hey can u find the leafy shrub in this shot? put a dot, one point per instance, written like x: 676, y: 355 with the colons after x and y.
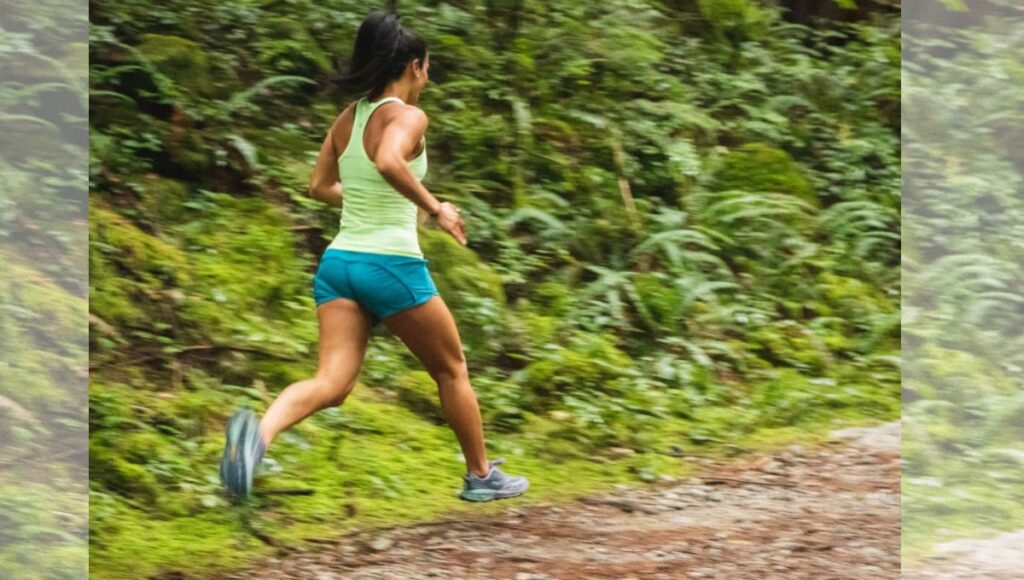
x: 587, y: 367
x: 735, y: 20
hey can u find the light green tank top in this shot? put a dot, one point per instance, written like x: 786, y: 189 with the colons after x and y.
x: 375, y: 217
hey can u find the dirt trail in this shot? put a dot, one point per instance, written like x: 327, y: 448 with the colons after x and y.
x: 823, y: 513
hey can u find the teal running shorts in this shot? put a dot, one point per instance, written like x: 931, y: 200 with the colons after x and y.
x: 384, y: 284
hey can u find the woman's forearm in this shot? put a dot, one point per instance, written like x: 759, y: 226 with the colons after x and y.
x: 332, y: 196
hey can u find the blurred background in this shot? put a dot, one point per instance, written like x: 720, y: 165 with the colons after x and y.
x: 684, y: 240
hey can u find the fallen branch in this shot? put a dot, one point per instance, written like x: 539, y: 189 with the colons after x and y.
x: 199, y: 348
x: 618, y: 158
x: 288, y: 492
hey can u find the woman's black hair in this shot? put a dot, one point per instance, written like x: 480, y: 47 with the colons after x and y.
x: 383, y: 49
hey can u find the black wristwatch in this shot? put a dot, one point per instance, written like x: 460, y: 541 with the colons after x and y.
x: 435, y: 213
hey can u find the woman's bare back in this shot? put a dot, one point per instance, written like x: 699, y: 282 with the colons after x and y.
x: 373, y: 131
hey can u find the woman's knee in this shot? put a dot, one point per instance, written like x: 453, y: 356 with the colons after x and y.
x: 450, y: 371
x: 333, y: 391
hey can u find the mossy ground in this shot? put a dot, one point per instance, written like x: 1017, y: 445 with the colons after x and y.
x: 371, y: 463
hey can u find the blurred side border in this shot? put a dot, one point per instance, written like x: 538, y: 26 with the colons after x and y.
x: 962, y: 280
x: 43, y: 289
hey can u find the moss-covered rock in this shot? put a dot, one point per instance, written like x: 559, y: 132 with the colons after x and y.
x: 181, y: 60
x: 150, y: 257
x: 760, y: 167
x: 129, y: 268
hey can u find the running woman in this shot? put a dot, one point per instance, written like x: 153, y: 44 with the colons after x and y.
x: 370, y: 165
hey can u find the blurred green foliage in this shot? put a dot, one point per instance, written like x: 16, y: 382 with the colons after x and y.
x: 43, y: 291
x: 963, y: 440
x: 683, y: 222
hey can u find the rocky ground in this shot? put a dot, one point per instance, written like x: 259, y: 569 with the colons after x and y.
x: 823, y: 513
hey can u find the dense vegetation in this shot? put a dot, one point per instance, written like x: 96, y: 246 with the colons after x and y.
x: 963, y: 317
x: 684, y: 235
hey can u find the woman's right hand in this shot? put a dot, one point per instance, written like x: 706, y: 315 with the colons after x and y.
x: 449, y: 220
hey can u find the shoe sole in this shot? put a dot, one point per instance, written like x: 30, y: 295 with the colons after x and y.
x: 229, y: 460
x: 482, y: 495
x: 236, y: 474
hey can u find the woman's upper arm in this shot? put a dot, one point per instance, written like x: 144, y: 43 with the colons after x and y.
x: 325, y: 171
x: 401, y: 136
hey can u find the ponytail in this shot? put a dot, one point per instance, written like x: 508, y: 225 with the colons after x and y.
x: 383, y: 49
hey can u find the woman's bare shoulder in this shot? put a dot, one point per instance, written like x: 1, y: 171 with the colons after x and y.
x: 341, y: 129
x: 411, y: 115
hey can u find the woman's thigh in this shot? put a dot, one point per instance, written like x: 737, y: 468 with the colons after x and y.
x: 430, y: 333
x: 345, y: 331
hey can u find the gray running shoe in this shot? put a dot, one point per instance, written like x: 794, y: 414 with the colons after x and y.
x: 243, y: 452
x: 496, y: 485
